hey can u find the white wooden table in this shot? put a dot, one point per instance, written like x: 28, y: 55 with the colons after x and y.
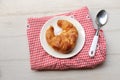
x: 14, y: 51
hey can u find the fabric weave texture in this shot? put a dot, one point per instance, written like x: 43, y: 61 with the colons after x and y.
x: 40, y: 60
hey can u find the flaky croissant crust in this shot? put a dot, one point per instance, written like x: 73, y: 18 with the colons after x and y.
x: 66, y: 40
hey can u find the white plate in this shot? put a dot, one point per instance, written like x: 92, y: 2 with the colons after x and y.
x: 53, y: 22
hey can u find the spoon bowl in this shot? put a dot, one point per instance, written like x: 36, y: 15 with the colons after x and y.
x: 101, y: 18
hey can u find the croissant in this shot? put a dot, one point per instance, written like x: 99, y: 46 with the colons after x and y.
x: 66, y: 40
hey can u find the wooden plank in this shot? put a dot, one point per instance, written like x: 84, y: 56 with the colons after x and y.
x: 23, y: 7
x: 20, y: 69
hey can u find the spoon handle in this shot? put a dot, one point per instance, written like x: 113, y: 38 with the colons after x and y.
x: 93, y: 46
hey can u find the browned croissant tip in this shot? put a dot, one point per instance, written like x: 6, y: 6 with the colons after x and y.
x: 66, y: 40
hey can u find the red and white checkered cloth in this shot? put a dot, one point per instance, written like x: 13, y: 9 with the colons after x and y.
x: 40, y: 60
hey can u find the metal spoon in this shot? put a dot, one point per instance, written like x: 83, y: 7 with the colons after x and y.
x: 101, y: 20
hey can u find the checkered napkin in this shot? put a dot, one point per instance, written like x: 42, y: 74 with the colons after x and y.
x: 41, y: 60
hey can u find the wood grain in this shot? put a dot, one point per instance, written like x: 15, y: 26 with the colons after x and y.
x: 14, y: 51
